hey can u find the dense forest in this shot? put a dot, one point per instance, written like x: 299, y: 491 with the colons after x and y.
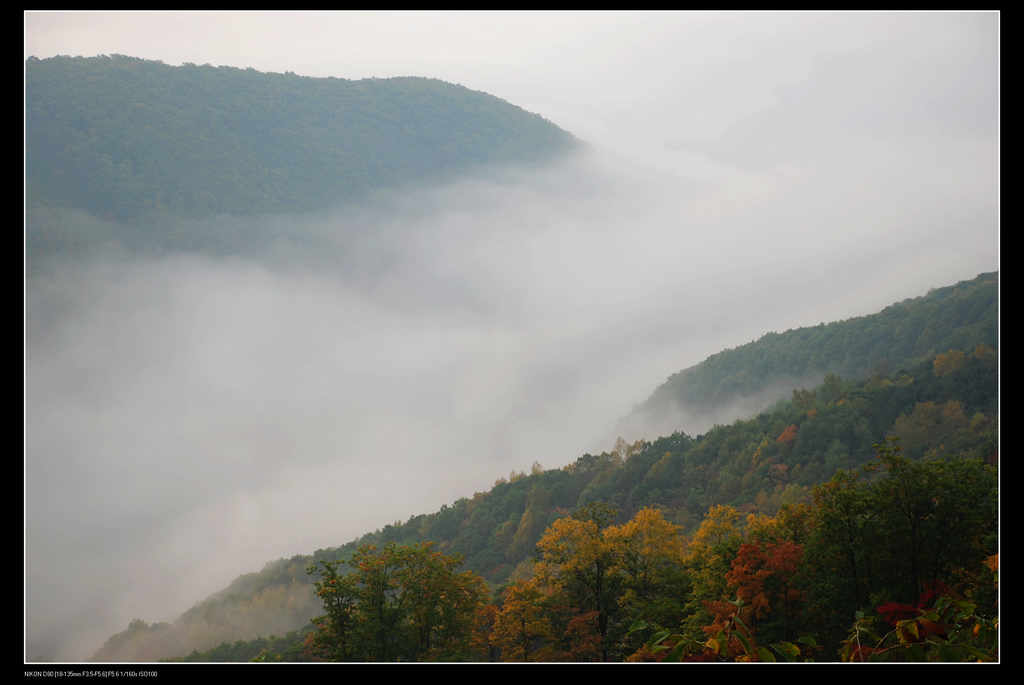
x: 901, y: 335
x: 845, y: 522
x: 115, y: 145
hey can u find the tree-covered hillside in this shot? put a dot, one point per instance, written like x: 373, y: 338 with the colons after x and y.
x: 902, y: 335
x: 944, y: 407
x: 124, y: 138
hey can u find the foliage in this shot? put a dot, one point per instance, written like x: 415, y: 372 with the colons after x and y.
x: 523, y: 622
x: 949, y: 362
x: 956, y: 318
x: 397, y: 603
x: 888, y: 533
x: 708, y: 560
x: 728, y: 639
x: 762, y: 575
x: 124, y: 138
x: 949, y: 629
x: 649, y: 560
x: 578, y: 557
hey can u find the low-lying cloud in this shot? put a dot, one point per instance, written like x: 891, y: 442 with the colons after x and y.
x: 192, y: 415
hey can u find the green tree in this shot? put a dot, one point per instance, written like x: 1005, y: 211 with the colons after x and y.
x: 895, y: 529
x: 397, y: 603
x: 333, y: 639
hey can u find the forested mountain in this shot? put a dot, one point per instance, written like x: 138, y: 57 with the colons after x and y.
x: 749, y: 377
x: 870, y: 486
x: 127, y: 140
x: 943, y: 409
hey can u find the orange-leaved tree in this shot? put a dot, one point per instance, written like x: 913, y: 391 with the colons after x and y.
x: 522, y: 629
x: 762, y: 576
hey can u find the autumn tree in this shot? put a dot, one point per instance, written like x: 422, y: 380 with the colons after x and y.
x: 522, y: 627
x: 948, y: 362
x: 578, y: 559
x: 708, y: 559
x: 649, y: 561
x: 788, y: 435
x: 601, y: 578
x: 762, y: 575
x: 481, y: 641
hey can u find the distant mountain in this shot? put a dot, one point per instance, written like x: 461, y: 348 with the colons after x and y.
x: 741, y: 381
x: 945, y: 404
x: 124, y: 138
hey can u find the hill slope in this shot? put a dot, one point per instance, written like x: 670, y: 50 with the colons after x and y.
x: 745, y: 379
x: 946, y: 404
x: 124, y: 138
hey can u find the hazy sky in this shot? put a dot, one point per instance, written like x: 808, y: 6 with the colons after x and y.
x: 190, y: 417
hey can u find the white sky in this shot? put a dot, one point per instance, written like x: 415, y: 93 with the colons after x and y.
x: 759, y: 171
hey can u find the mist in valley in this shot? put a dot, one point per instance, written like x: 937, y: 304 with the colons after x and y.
x: 191, y: 414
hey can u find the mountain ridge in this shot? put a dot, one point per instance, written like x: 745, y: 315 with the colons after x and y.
x: 848, y: 347
x: 125, y: 138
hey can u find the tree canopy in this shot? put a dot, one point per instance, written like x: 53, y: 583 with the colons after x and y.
x: 124, y: 138
x: 958, y: 317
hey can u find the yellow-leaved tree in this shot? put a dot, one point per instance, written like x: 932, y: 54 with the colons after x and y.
x: 649, y: 560
x: 578, y: 562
